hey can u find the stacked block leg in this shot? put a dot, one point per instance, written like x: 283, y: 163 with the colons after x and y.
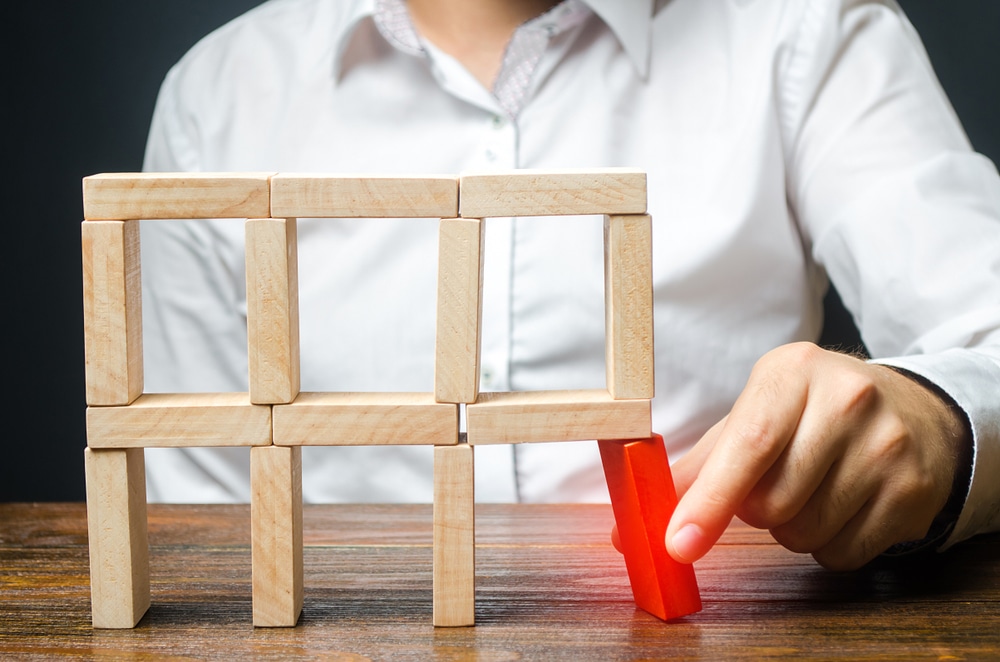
x: 276, y: 535
x: 112, y: 312
x: 459, y: 310
x: 628, y: 307
x: 272, y: 309
x: 116, y: 526
x: 643, y: 499
x: 454, y: 537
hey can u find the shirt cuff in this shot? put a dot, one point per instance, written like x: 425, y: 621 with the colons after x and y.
x: 971, y: 378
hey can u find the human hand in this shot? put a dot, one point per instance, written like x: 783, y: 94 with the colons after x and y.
x: 834, y: 456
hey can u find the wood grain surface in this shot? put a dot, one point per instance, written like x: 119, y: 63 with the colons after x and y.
x: 549, y: 586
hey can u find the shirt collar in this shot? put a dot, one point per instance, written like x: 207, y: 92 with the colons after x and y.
x: 629, y: 20
x: 355, y: 13
x: 632, y: 23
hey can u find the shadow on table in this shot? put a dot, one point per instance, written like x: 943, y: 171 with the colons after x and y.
x: 966, y: 572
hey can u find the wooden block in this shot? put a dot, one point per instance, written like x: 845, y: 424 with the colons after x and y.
x: 643, y: 499
x: 459, y: 310
x: 112, y: 312
x: 365, y: 419
x: 161, y: 195
x: 276, y: 535
x: 116, y: 528
x: 363, y: 196
x: 454, y: 537
x: 180, y: 419
x: 531, y: 416
x: 553, y: 193
x: 272, y: 310
x: 628, y: 305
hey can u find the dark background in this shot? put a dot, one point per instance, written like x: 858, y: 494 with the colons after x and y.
x: 79, y: 83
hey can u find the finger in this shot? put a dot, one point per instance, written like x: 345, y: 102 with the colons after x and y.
x: 843, y: 493
x: 686, y: 469
x: 757, y: 431
x: 829, y: 471
x: 869, y: 533
x: 818, y: 443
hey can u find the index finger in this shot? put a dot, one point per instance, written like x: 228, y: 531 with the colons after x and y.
x: 761, y: 424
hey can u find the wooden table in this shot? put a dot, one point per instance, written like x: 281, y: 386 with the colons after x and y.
x: 549, y: 586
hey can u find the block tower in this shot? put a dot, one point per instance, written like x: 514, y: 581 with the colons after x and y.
x: 275, y: 419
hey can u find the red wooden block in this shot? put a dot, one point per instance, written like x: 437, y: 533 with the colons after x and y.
x: 643, y: 498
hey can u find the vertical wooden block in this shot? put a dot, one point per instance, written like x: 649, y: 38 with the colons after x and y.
x: 643, y: 499
x: 459, y: 310
x: 116, y: 528
x: 112, y: 312
x: 454, y: 537
x: 272, y: 310
x: 628, y: 306
x: 276, y: 535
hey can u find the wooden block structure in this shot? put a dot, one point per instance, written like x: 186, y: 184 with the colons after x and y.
x: 275, y: 419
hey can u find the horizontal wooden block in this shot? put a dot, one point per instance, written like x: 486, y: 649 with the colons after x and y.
x: 533, y: 416
x: 180, y: 419
x: 162, y: 195
x: 112, y: 312
x: 363, y: 196
x: 628, y: 305
x: 365, y: 419
x: 553, y: 193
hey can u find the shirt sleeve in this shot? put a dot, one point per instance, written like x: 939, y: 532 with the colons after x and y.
x: 904, y: 216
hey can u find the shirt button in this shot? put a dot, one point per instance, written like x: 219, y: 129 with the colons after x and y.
x: 499, y: 122
x: 491, y: 155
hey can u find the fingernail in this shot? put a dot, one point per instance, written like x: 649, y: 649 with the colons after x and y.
x: 687, y: 543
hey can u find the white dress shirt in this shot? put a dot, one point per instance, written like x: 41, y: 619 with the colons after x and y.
x: 786, y: 141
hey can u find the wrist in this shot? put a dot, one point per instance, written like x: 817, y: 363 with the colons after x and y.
x: 960, y: 431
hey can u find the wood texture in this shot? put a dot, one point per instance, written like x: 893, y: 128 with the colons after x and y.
x: 643, y: 498
x: 454, y: 537
x: 112, y: 312
x: 276, y: 535
x: 272, y: 310
x: 459, y: 310
x: 549, y: 587
x: 510, y: 418
x: 119, y: 550
x: 363, y: 196
x: 180, y: 419
x: 365, y: 419
x: 553, y: 193
x: 141, y: 195
x: 628, y: 306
